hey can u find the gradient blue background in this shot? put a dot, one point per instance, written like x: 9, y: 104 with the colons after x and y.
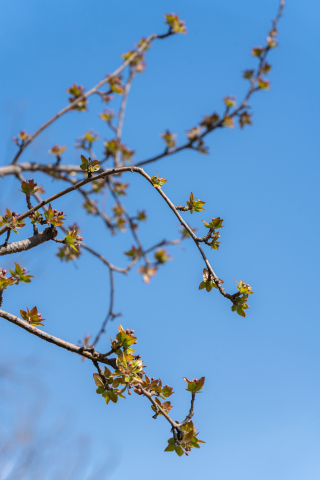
x: 259, y: 411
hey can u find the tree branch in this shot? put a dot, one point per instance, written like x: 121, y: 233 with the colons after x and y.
x: 57, y: 341
x: 141, y: 172
x: 47, y: 234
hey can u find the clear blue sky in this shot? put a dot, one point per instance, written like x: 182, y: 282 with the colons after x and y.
x: 259, y: 411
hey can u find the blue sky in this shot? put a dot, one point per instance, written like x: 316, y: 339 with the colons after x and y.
x: 259, y: 410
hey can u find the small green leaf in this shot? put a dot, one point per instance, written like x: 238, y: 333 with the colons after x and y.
x: 179, y: 450
x: 170, y: 448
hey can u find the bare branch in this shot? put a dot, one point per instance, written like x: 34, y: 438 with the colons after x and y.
x: 191, y: 412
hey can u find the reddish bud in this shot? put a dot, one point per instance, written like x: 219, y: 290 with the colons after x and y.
x: 4, y: 272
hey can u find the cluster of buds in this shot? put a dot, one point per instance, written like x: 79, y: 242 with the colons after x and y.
x: 57, y: 212
x: 115, y: 85
x: 9, y: 219
x: 73, y: 238
x: 21, y: 274
x: 57, y: 150
x: 137, y: 64
x: 3, y: 272
x: 138, y: 389
x: 22, y: 138
x: 113, y: 146
x: 54, y: 217
x: 87, y: 140
x: 32, y: 317
x: 66, y: 254
x: 77, y: 91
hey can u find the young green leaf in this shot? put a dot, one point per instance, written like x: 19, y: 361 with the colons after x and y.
x: 32, y: 317
x: 158, y: 182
